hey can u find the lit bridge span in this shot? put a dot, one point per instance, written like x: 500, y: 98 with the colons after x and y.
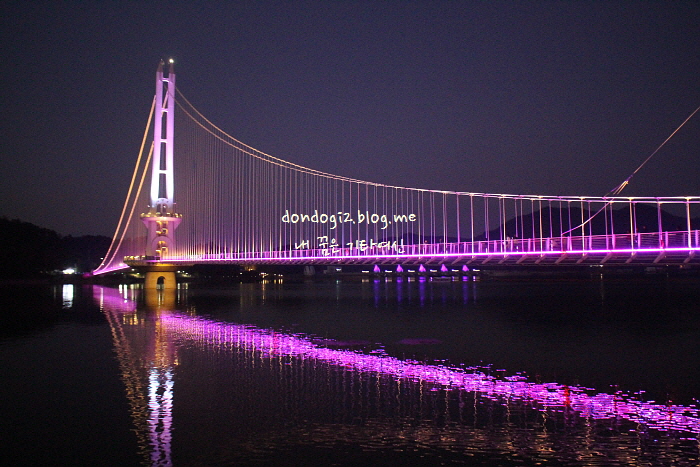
x: 201, y: 196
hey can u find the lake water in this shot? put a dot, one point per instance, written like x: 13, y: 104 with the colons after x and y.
x: 354, y: 373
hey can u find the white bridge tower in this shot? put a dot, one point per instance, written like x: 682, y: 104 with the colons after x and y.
x: 161, y: 219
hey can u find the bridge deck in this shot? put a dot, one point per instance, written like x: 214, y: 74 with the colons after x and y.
x: 654, y: 249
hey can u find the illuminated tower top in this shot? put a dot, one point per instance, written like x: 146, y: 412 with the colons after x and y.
x: 162, y: 180
x: 161, y: 219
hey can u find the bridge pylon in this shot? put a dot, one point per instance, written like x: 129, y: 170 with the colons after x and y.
x: 161, y: 219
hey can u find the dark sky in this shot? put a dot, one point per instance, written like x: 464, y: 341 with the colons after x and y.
x: 550, y: 98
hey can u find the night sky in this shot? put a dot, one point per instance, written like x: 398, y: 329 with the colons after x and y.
x: 550, y: 98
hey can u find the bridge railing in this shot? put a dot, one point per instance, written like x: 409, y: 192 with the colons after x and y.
x: 623, y: 243
x: 590, y: 243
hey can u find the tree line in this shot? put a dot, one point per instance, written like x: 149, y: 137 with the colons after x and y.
x: 30, y: 251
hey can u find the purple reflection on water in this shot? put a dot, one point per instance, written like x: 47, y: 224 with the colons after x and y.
x: 160, y: 420
x: 546, y: 396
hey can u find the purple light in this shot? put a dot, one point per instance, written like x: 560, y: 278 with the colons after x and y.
x: 465, y: 268
x: 421, y: 268
x: 443, y: 268
x: 399, y: 269
x: 119, y: 267
x: 546, y: 396
x: 376, y: 269
x: 583, y: 251
x: 312, y: 256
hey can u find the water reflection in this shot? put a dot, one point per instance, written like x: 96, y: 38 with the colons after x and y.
x: 545, y: 397
x: 160, y: 420
x: 421, y: 290
x: 144, y: 348
x: 255, y: 392
x: 68, y: 293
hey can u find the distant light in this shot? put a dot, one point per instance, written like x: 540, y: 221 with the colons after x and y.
x: 69, y: 271
x: 171, y: 60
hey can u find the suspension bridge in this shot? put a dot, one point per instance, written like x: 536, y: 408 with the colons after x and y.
x: 199, y: 195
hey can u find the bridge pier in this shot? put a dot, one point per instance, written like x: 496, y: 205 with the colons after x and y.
x: 160, y: 277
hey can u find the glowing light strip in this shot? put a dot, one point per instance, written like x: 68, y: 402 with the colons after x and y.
x: 119, y: 267
x: 547, y: 395
x: 107, y: 260
x: 278, y: 255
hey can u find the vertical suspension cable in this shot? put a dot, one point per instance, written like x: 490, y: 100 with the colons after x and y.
x: 486, y: 218
x: 471, y: 217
